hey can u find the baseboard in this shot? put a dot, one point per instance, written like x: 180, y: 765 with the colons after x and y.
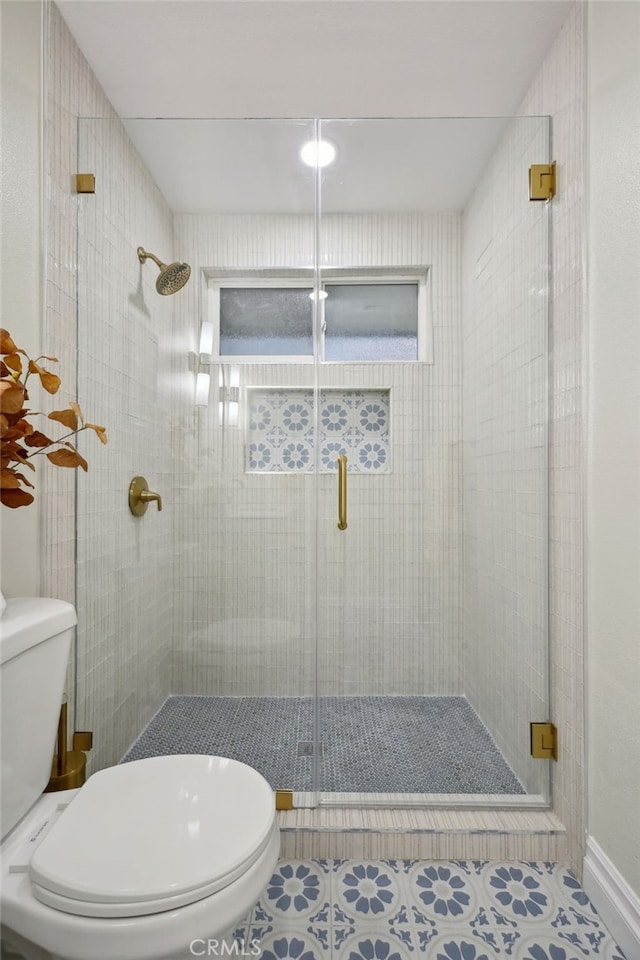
x: 613, y: 898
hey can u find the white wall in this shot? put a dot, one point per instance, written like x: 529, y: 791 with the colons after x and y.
x: 20, y: 283
x: 613, y: 472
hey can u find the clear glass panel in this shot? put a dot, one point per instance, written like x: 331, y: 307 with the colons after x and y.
x: 211, y: 599
x: 423, y: 624
x: 432, y: 631
x: 268, y: 321
x: 377, y: 321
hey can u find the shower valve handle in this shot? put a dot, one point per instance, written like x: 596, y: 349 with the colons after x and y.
x: 140, y: 497
x: 147, y: 497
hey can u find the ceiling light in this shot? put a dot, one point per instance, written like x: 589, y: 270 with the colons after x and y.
x: 318, y: 153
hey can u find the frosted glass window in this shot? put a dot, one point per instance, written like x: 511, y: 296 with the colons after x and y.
x: 266, y: 321
x: 377, y: 314
x: 371, y: 321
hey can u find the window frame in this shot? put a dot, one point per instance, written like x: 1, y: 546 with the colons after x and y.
x: 296, y: 278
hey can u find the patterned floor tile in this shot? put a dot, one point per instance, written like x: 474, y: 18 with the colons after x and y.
x: 368, y: 892
x: 373, y: 945
x: 297, y: 890
x: 288, y: 945
x: 443, y: 892
x: 441, y: 910
x: 540, y: 912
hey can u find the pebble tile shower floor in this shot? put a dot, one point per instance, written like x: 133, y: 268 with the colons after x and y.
x: 441, y: 910
x: 369, y: 744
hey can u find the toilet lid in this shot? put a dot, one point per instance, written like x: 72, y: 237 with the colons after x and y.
x: 154, y: 834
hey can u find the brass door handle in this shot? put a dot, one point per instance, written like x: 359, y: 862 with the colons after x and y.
x: 140, y: 497
x: 342, y: 492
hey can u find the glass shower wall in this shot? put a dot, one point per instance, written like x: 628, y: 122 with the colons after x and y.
x: 432, y: 607
x: 390, y: 308
x: 247, y: 635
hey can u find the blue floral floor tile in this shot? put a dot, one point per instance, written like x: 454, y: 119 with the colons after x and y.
x: 374, y: 945
x: 441, y: 910
x: 368, y: 892
x: 292, y: 945
x: 296, y: 890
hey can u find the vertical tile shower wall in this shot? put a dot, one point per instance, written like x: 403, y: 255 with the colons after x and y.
x: 122, y: 569
x: 504, y: 346
x: 246, y: 613
x: 124, y: 564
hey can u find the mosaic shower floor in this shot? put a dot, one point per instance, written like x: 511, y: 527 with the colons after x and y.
x: 369, y: 744
x: 399, y: 909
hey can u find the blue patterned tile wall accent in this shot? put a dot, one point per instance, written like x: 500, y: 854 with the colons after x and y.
x: 280, y: 430
x: 440, y: 910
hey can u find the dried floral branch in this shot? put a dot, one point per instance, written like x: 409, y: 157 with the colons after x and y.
x: 19, y: 440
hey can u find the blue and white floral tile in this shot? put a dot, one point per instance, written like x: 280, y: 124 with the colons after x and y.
x: 370, y: 898
x: 442, y: 910
x: 280, y: 430
x: 293, y: 916
x: 287, y: 945
x: 372, y: 945
x: 297, y: 889
x: 540, y: 912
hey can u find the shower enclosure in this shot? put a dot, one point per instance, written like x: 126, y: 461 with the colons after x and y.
x: 347, y: 586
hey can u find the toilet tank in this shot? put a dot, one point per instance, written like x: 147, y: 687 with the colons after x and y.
x: 35, y: 640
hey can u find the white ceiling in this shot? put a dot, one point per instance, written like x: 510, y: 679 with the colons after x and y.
x: 381, y: 166
x: 314, y: 58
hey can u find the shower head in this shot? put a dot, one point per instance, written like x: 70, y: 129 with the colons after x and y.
x: 173, y: 276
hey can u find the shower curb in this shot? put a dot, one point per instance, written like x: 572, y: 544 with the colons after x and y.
x: 383, y: 834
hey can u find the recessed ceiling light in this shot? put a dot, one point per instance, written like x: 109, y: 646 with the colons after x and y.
x: 318, y: 153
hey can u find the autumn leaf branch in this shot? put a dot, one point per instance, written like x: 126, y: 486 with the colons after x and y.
x: 19, y: 440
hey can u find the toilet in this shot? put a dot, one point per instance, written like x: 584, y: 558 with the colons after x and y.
x: 150, y: 860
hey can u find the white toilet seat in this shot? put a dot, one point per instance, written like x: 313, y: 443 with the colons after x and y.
x: 153, y: 835
x: 161, y: 936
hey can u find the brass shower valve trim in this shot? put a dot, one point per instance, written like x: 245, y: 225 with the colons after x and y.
x: 140, y: 497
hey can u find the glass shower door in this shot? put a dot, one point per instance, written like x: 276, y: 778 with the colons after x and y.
x: 432, y: 627
x: 249, y: 635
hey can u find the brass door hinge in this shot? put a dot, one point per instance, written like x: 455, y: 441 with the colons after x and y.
x: 542, y: 181
x: 85, y: 183
x: 544, y: 741
x: 284, y: 799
